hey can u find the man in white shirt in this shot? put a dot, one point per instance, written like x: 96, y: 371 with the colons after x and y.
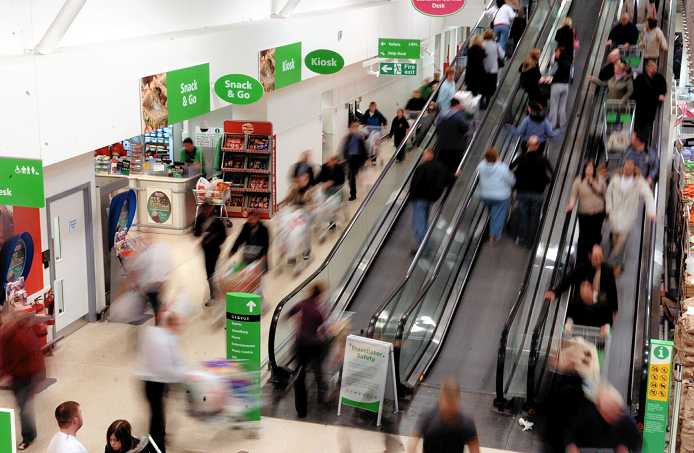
x: 69, y: 417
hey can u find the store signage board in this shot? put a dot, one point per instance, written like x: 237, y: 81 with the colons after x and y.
x: 657, y: 397
x: 159, y: 206
x: 8, y: 440
x: 438, y: 8
x: 280, y: 67
x: 243, y: 335
x: 365, y: 370
x: 209, y: 138
x: 21, y: 183
x: 403, y: 49
x: 323, y: 61
x: 238, y: 89
x: 398, y: 69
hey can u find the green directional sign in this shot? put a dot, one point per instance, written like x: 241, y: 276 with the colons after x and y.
x: 398, y: 69
x: 189, y: 92
x: 21, y: 183
x: 7, y: 431
x: 657, y: 396
x: 403, y: 49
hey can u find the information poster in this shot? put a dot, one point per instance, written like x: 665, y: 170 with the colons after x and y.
x: 658, y: 396
x: 17, y: 222
x: 209, y: 138
x: 21, y: 183
x: 159, y: 206
x: 8, y: 440
x: 280, y: 66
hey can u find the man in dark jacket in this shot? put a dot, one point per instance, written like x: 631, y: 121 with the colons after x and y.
x: 533, y: 172
x: 331, y: 175
x: 354, y: 152
x: 213, y: 233
x: 428, y: 183
x: 253, y: 233
x: 373, y: 117
x: 649, y: 92
x: 623, y: 34
x: 452, y: 127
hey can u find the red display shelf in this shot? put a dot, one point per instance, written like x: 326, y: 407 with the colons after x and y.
x: 241, y: 189
x: 246, y: 170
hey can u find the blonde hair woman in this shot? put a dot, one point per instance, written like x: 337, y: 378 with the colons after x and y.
x: 565, y: 38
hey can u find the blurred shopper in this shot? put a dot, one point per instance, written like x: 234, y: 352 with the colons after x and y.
x: 561, y: 75
x: 620, y: 86
x: 652, y: 40
x: 303, y: 166
x: 645, y: 157
x: 517, y: 29
x: 256, y: 238
x: 309, y: 345
x: 650, y: 88
x: 565, y: 38
x: 624, y: 34
x: 496, y: 184
x: 603, y: 424
x: 503, y: 17
x: 160, y: 365
x: 415, y: 104
x: 533, y: 172
x: 445, y: 429
x: 589, y: 191
x: 22, y: 365
x: 607, y: 71
x: 426, y: 89
x: 299, y: 193
x: 211, y: 229
x: 119, y: 438
x: 153, y: 268
x: 451, y: 128
x: 622, y: 204
x: 428, y: 183
x: 474, y: 72
x: 332, y: 175
x: 425, y: 123
x: 494, y: 53
x: 355, y: 153
x: 69, y: 417
x: 596, y: 307
x: 398, y: 130
x: 447, y: 90
x: 639, y: 10
x: 536, y: 124
x: 373, y: 117
x: 530, y: 76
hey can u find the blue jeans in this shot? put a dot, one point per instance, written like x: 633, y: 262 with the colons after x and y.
x: 497, y: 215
x: 420, y: 218
x: 501, y: 35
x: 529, y: 207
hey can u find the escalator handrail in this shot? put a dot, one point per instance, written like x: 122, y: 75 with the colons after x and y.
x: 278, y: 309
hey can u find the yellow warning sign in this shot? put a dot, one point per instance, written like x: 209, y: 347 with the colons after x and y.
x: 658, y: 381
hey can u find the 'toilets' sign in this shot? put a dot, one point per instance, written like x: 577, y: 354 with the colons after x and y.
x: 21, y: 183
x: 403, y: 49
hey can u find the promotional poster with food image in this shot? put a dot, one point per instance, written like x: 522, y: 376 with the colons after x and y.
x: 155, y: 111
x: 20, y: 247
x: 266, y: 69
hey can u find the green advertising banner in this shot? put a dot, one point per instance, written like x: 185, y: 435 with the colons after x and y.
x: 8, y: 441
x: 404, y: 49
x: 238, y: 89
x: 287, y: 66
x: 21, y: 183
x: 398, y: 69
x: 188, y: 92
x: 658, y: 396
x: 243, y: 335
x: 323, y: 61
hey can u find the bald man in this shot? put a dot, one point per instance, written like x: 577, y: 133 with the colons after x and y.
x: 607, y: 72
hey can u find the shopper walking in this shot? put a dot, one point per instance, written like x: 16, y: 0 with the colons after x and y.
x: 565, y: 38
x: 445, y: 429
x: 451, y: 128
x: 652, y: 40
x: 589, y: 191
x: 153, y: 268
x: 119, y: 438
x: 624, y: 34
x: 536, y: 124
x: 301, y: 167
x: 494, y: 53
x: 256, y: 238
x: 503, y: 17
x: 561, y: 75
x: 209, y: 226
x: 650, y: 88
x: 23, y: 367
x: 428, y: 183
x: 373, y: 117
x: 496, y: 184
x: 533, y: 172
x: 530, y: 76
x: 332, y: 175
x: 398, y: 130
x: 474, y: 72
x: 160, y: 365
x: 309, y: 345
x: 622, y: 204
x: 447, y: 90
x: 620, y: 86
x: 69, y: 417
x: 645, y: 157
x: 354, y: 152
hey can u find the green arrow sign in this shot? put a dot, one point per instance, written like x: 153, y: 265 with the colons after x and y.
x: 21, y: 183
x: 657, y: 396
x: 398, y: 69
x: 403, y: 49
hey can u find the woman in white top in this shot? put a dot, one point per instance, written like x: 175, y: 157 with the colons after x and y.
x: 503, y: 16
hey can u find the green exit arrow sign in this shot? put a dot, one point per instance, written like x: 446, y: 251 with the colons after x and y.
x: 403, y: 49
x: 398, y: 69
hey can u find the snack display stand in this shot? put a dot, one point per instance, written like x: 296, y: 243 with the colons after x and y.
x: 248, y: 165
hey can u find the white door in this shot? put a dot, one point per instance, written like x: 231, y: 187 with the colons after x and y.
x: 71, y: 282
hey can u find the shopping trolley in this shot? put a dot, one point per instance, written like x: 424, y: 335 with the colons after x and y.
x: 215, y: 198
x: 618, y: 124
x: 592, y: 335
x: 328, y: 207
x: 372, y: 138
x: 293, y: 238
x: 633, y: 56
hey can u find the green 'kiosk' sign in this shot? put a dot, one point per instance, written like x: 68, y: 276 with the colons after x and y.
x: 21, y: 183
x: 243, y: 335
x: 287, y: 65
x: 657, y: 397
x: 7, y: 434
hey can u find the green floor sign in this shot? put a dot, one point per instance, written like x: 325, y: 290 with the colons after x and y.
x: 657, y: 396
x: 243, y: 335
x: 21, y: 183
x: 7, y: 434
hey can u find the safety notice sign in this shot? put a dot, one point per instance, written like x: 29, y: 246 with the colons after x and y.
x: 657, y: 397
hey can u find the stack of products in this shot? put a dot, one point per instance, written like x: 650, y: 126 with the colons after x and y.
x: 215, y: 191
x: 684, y: 353
x: 258, y: 143
x: 232, y: 141
x: 257, y: 182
